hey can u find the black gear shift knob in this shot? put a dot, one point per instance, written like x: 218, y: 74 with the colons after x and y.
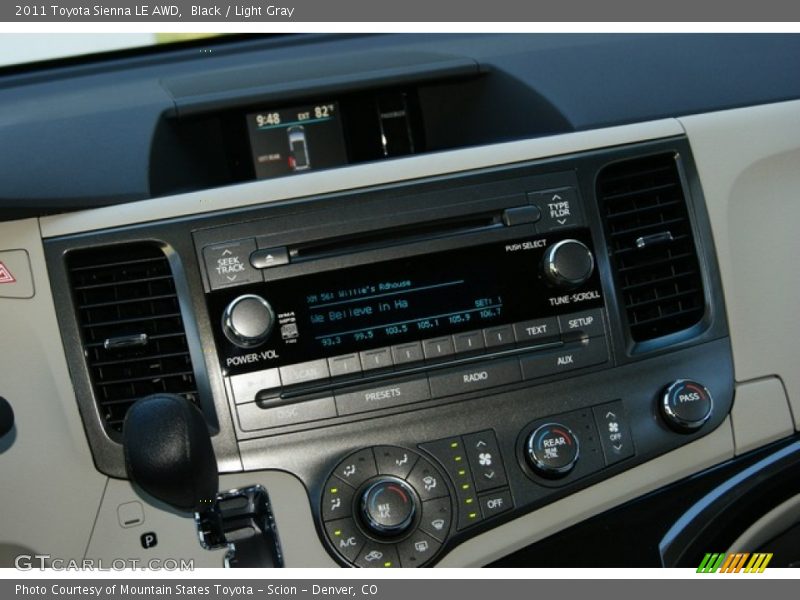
x: 168, y: 451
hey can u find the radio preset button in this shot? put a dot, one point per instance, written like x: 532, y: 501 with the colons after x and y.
x: 499, y: 337
x: 592, y: 351
x: 341, y: 366
x: 383, y: 396
x: 228, y: 264
x: 269, y: 257
x: 407, y: 353
x: 585, y: 324
x: 380, y: 358
x: 305, y: 372
x: 245, y: 387
x: 539, y: 331
x: 252, y: 417
x: 471, y: 341
x: 473, y: 379
x: 438, y: 348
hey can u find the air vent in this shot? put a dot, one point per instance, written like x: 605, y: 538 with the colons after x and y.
x: 651, y: 245
x: 130, y: 321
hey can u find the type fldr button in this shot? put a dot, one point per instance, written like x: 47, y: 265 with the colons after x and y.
x: 476, y: 378
x: 228, y: 264
x: 390, y: 394
x: 560, y: 208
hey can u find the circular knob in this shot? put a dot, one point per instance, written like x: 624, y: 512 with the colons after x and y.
x: 6, y: 417
x: 568, y: 263
x: 248, y: 321
x: 552, y: 450
x: 686, y: 405
x: 388, y: 507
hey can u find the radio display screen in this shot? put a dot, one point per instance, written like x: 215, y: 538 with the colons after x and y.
x: 294, y: 140
x: 423, y: 297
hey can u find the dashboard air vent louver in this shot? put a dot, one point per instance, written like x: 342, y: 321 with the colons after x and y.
x: 133, y: 336
x: 651, y: 245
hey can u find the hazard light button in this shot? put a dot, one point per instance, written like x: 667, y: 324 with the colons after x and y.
x: 16, y: 278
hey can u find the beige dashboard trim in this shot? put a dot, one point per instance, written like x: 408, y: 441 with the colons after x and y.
x: 749, y: 165
x: 349, y: 178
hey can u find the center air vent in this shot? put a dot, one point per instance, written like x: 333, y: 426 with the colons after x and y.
x: 651, y: 246
x: 131, y: 326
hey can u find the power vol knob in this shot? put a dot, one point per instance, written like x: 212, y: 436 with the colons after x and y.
x: 248, y: 320
x: 568, y: 263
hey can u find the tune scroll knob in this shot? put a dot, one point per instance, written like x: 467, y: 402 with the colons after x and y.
x: 388, y: 507
x: 568, y: 263
x: 248, y: 320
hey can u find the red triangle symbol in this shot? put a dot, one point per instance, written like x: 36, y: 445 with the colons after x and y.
x: 5, y: 275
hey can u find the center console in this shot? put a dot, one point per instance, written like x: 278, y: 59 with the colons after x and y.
x: 430, y: 359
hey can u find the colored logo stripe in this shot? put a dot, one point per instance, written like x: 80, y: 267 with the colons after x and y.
x: 734, y: 563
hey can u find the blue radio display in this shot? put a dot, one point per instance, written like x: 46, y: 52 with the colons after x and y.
x: 391, y: 309
x: 339, y: 312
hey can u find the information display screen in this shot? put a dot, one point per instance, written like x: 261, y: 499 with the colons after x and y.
x: 422, y: 297
x: 294, y: 140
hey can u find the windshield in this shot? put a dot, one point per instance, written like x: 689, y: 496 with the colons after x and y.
x: 16, y: 49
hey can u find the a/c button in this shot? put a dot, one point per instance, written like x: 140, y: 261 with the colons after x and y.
x: 475, y: 378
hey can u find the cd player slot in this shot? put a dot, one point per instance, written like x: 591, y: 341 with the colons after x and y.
x: 270, y: 398
x: 396, y: 236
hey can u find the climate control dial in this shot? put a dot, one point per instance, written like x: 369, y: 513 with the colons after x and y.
x: 388, y: 507
x: 552, y: 450
x: 686, y: 405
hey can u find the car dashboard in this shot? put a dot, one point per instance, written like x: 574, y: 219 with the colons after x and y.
x: 402, y: 301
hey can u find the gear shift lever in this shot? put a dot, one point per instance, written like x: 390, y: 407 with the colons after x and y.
x: 168, y: 452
